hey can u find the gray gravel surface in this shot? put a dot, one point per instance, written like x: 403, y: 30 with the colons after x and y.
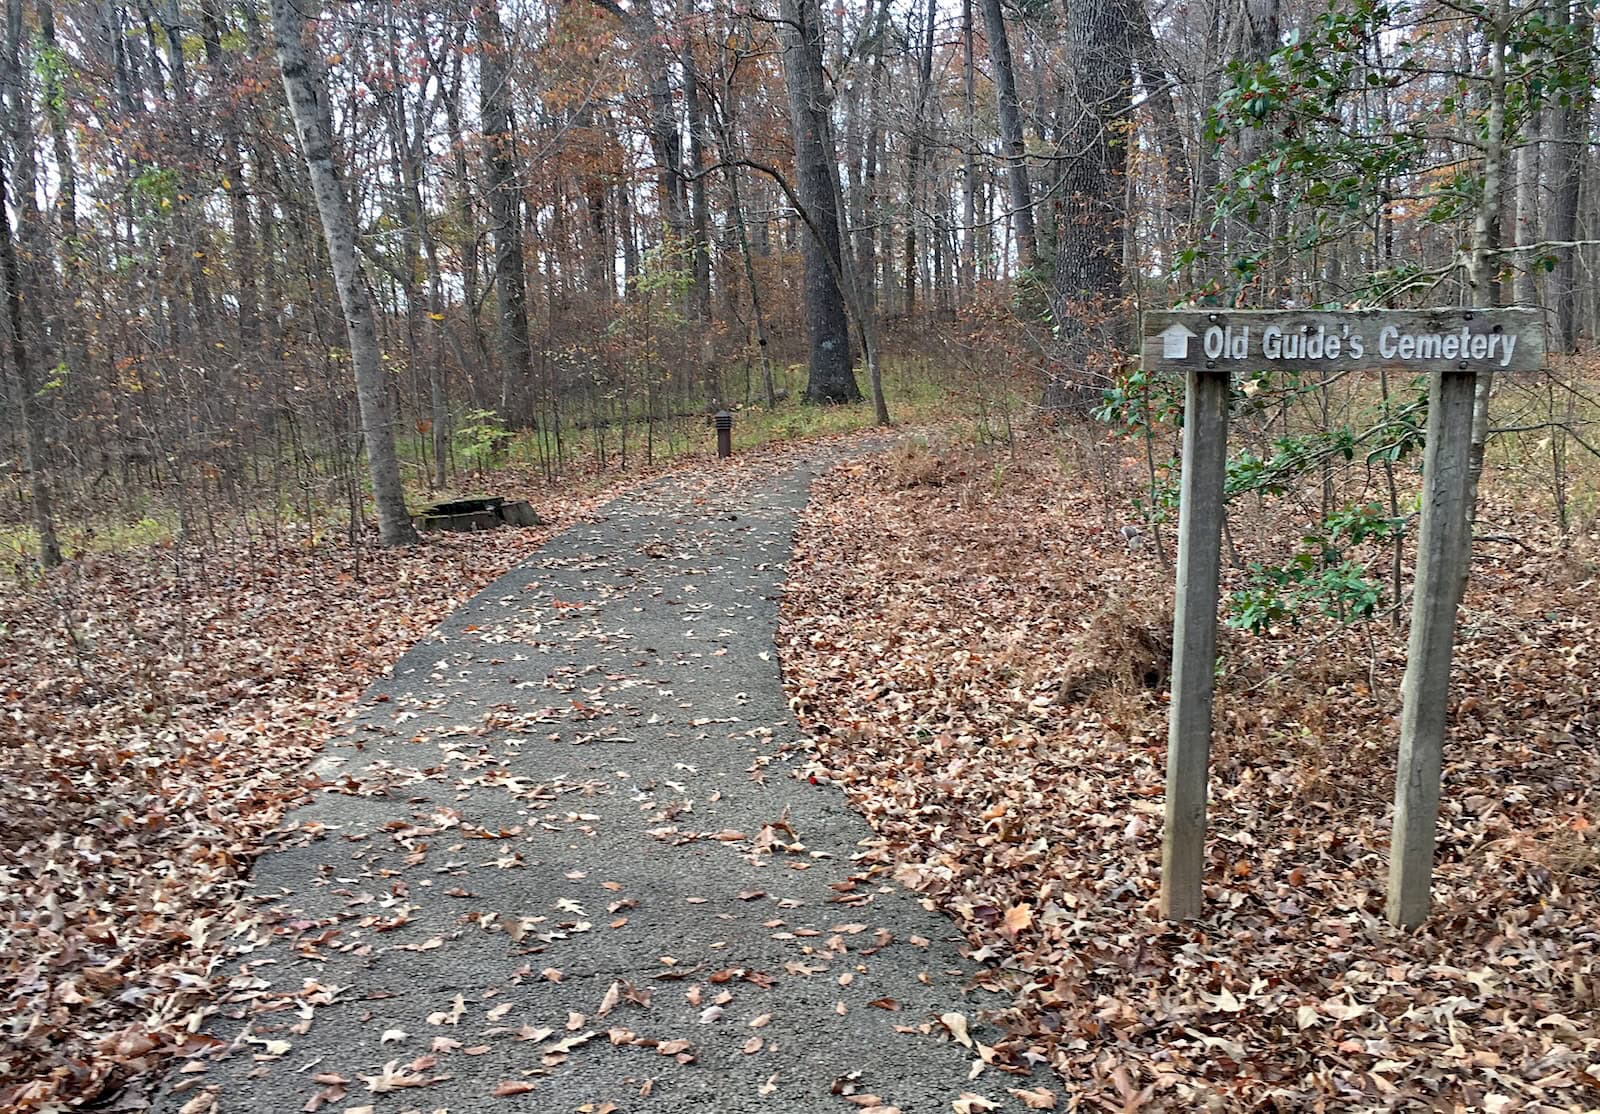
x: 569, y: 845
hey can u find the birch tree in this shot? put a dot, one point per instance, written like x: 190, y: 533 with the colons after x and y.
x: 306, y: 89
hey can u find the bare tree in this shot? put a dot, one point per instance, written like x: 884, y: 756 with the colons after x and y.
x: 816, y: 183
x: 27, y: 389
x: 1089, y: 316
x: 1571, y: 138
x: 1012, y: 146
x: 306, y: 89
x: 504, y: 193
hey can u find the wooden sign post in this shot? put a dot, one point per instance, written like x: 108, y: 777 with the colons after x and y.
x: 1194, y: 641
x: 1208, y: 346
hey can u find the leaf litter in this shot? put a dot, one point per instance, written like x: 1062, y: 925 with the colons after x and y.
x: 980, y: 658
x: 161, y: 711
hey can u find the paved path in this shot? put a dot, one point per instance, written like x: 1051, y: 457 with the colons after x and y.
x: 571, y: 854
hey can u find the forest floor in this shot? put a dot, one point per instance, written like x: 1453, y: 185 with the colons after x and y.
x: 564, y: 854
x: 162, y: 709
x: 980, y: 658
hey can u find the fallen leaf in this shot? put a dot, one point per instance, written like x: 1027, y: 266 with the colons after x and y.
x: 452, y: 1016
x: 1017, y: 918
x: 957, y: 1024
x: 1039, y: 1098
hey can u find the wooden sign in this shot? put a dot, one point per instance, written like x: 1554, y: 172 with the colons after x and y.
x: 1416, y: 340
x: 1207, y: 346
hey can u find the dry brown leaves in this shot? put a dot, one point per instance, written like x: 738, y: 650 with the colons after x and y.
x: 972, y: 647
x: 159, y: 713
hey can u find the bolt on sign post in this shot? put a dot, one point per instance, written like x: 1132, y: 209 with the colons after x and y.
x: 1207, y: 346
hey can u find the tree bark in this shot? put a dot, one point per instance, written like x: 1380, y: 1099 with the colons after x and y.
x: 914, y: 160
x: 1571, y: 139
x: 1529, y: 221
x: 465, y: 211
x: 699, y: 203
x: 1089, y: 316
x: 1012, y: 146
x: 1483, y: 288
x: 27, y: 390
x: 639, y: 20
x: 15, y: 65
x: 1161, y: 91
x: 244, y: 247
x: 1208, y: 168
x: 55, y: 110
x: 413, y: 167
x: 831, y: 379
x: 306, y: 89
x: 873, y: 209
x: 727, y: 154
x: 967, y: 269
x: 505, y: 198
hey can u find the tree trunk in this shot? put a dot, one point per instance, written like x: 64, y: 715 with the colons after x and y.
x: 1571, y: 139
x: 967, y: 270
x: 1525, y: 283
x: 831, y: 380
x: 244, y: 248
x: 55, y: 109
x: 1208, y: 168
x: 306, y: 89
x: 630, y: 240
x: 726, y: 152
x: 413, y: 167
x: 466, y: 217
x: 21, y: 134
x: 1161, y: 92
x: 1012, y: 147
x: 505, y: 196
x: 27, y: 389
x: 1254, y: 36
x: 854, y: 215
x: 1482, y: 288
x: 639, y: 20
x: 1087, y: 302
x: 699, y: 203
x: 914, y: 161
x: 873, y: 207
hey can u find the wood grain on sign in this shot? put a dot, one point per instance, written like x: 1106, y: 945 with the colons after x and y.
x: 1412, y: 340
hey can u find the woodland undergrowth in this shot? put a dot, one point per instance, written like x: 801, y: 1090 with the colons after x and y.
x: 980, y: 657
